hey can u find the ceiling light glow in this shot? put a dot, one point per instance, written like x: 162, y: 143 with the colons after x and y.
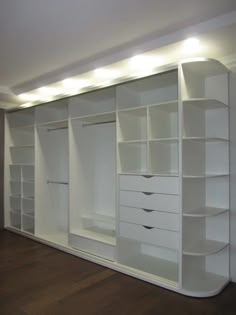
x: 145, y: 62
x: 29, y: 97
x: 191, y: 45
x: 46, y: 91
x: 106, y: 73
x: 75, y: 83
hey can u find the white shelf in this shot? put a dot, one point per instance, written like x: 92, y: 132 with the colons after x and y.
x: 25, y: 146
x: 99, y: 217
x: 132, y: 142
x: 172, y: 140
x: 54, y: 124
x: 204, y: 66
x: 134, y: 110
x: 204, y: 103
x: 204, y: 248
x: 104, y: 236
x: 204, y: 212
x: 29, y: 214
x: 23, y: 127
x: 156, y: 266
x: 16, y: 211
x: 205, y: 176
x: 57, y: 238
x: 204, y: 285
x: 97, y: 118
x: 28, y: 197
x: 206, y: 139
x: 165, y: 105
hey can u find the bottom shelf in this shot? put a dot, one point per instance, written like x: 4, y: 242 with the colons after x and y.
x: 28, y: 224
x: 156, y: 266
x: 57, y: 238
x: 15, y: 220
x: 98, y: 234
x: 207, y: 284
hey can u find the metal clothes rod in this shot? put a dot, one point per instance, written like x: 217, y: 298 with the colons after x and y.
x: 59, y: 128
x: 99, y: 123
x: 56, y: 182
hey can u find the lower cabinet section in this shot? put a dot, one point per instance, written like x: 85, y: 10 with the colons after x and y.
x: 92, y: 246
x: 158, y: 261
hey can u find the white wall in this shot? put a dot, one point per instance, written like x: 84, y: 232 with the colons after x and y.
x: 233, y: 172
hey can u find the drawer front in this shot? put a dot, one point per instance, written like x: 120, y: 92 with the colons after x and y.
x: 168, y: 203
x: 148, y: 235
x: 155, y: 184
x: 162, y: 220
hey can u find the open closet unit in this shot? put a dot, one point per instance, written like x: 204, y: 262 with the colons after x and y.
x: 134, y: 177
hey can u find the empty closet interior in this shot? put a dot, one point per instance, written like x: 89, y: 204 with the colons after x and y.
x: 93, y: 171
x: 52, y: 172
x: 133, y: 176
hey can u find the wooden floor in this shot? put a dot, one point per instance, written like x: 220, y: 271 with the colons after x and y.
x: 37, y: 279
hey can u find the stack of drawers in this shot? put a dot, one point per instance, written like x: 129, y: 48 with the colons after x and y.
x: 149, y: 210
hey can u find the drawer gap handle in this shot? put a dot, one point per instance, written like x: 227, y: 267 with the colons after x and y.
x: 147, y: 176
x: 147, y: 193
x: 148, y: 227
x: 147, y: 210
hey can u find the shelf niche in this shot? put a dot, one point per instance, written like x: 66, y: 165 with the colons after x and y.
x: 152, y: 90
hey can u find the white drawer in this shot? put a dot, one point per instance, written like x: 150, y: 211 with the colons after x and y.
x: 168, y: 203
x: 162, y: 220
x: 149, y: 235
x: 156, y: 184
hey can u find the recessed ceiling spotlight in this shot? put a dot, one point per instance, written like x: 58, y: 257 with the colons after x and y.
x: 191, y: 45
x: 106, y: 73
x: 29, y: 97
x: 75, y: 83
x: 48, y: 91
x: 145, y: 62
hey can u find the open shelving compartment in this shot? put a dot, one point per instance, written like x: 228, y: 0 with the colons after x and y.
x: 93, y: 174
x: 205, y: 235
x: 52, y: 112
x: 51, y: 187
x: 28, y: 225
x: 163, y: 121
x: 132, y: 124
x: 145, y: 257
x: 163, y: 157
x: 147, y: 112
x: 15, y: 220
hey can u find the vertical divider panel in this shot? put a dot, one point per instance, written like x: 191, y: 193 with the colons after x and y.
x: 180, y: 150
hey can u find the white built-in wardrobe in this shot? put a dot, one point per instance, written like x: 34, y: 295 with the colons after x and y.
x: 134, y: 176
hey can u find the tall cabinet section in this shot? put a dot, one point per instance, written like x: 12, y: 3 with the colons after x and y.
x: 134, y: 176
x: 205, y: 176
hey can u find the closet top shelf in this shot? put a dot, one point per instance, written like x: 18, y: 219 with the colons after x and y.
x: 204, y: 66
x: 54, y: 124
x: 204, y: 103
x: 97, y: 118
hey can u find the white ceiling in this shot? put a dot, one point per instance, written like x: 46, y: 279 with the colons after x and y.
x: 41, y: 36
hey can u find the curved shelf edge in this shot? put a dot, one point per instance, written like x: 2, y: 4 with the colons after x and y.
x: 204, y: 212
x: 205, y: 248
x: 208, y: 293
